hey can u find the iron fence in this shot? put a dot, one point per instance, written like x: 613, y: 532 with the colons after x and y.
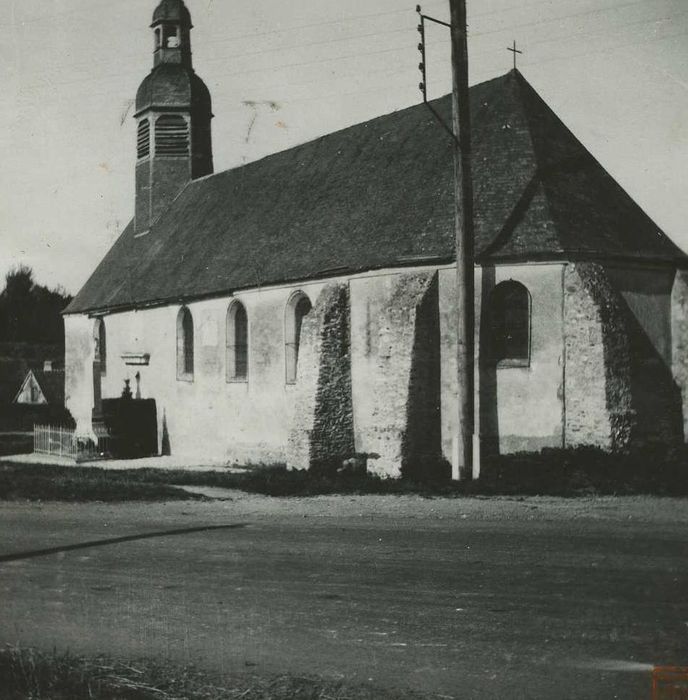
x: 59, y: 441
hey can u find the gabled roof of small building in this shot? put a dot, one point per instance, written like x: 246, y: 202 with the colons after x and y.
x: 380, y: 194
x: 51, y: 385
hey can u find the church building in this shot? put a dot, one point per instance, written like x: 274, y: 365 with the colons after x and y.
x: 301, y: 309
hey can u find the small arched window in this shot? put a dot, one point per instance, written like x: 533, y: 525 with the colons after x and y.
x: 171, y: 135
x: 509, y: 324
x: 185, y: 345
x: 237, y: 343
x: 100, y: 344
x: 143, y: 139
x: 298, y: 307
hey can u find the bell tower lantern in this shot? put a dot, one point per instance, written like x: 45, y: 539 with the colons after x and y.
x: 173, y: 113
x: 172, y: 31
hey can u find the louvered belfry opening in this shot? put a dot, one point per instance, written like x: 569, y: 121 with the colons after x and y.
x: 143, y: 139
x: 171, y: 135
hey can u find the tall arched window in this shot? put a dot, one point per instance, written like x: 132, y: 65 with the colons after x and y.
x: 143, y: 139
x: 100, y: 344
x: 509, y: 324
x: 171, y: 135
x: 298, y: 306
x: 185, y: 344
x: 237, y: 343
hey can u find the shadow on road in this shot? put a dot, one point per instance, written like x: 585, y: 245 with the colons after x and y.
x: 17, y: 556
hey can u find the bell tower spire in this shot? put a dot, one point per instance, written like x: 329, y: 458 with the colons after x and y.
x: 173, y: 113
x: 172, y: 30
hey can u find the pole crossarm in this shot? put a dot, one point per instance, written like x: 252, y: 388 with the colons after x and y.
x: 422, y: 66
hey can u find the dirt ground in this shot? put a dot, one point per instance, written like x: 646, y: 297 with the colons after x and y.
x: 465, y: 597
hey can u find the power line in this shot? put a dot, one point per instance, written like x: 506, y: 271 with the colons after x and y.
x: 224, y: 58
x: 313, y: 25
x: 523, y: 7
x: 618, y: 29
x: 606, y: 49
x: 559, y: 19
x: 64, y: 83
x: 403, y: 47
x: 91, y: 64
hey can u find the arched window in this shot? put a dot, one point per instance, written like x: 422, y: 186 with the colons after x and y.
x: 100, y: 344
x: 143, y: 139
x: 298, y: 306
x: 171, y: 135
x: 237, y: 343
x: 509, y: 324
x: 185, y: 344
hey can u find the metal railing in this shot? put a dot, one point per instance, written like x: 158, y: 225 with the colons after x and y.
x: 59, y: 441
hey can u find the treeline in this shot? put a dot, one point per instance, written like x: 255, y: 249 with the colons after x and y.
x: 30, y: 312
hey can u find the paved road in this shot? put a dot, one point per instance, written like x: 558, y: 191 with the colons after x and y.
x: 468, y: 598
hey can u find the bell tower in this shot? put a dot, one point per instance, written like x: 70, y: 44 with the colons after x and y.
x: 173, y: 113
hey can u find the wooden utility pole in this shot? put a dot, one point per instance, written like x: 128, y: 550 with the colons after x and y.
x: 463, y: 198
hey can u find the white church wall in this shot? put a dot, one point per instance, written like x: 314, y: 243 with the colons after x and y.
x: 395, y: 370
x: 529, y: 401
x: 369, y: 296
x: 448, y: 357
x: 516, y: 408
x: 679, y: 338
x: 79, y: 356
x: 520, y: 408
x: 210, y: 417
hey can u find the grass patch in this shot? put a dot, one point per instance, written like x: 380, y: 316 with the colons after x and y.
x: 15, y: 444
x: 49, y: 483
x: 31, y: 674
x: 656, y: 470
x: 567, y: 473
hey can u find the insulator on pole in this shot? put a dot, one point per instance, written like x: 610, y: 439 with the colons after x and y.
x: 418, y: 10
x: 421, y: 67
x: 420, y: 28
x: 420, y: 47
x: 421, y: 87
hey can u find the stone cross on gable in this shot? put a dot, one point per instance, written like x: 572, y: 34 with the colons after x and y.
x: 515, y: 51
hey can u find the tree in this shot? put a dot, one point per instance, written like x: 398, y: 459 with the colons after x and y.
x: 30, y: 312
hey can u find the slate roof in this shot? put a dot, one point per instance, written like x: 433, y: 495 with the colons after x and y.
x: 380, y: 194
x: 172, y: 84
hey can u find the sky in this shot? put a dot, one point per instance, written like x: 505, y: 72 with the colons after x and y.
x: 281, y: 73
